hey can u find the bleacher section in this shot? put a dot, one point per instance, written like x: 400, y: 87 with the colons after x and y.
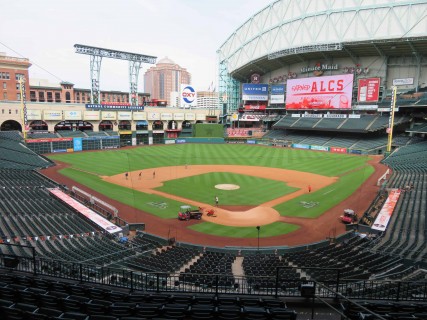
x: 359, y: 124
x: 70, y: 134
x: 37, y: 135
x: 166, y: 280
x: 95, y: 134
x: 15, y: 155
x: 407, y: 233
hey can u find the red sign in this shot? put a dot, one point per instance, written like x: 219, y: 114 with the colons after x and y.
x: 257, y: 107
x: 330, y: 92
x: 386, y: 211
x: 48, y: 140
x: 369, y: 90
x: 338, y: 150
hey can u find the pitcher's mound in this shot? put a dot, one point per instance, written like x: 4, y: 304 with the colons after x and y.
x: 227, y: 186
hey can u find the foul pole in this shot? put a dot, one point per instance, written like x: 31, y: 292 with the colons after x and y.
x: 391, y: 119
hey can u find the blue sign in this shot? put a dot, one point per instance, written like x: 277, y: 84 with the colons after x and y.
x: 355, y: 151
x: 112, y: 107
x: 300, y: 146
x: 251, y: 141
x: 180, y: 141
x: 278, y: 89
x: 255, y: 91
x: 77, y: 144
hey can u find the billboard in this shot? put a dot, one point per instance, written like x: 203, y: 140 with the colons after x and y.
x: 277, y: 94
x: 255, y: 92
x: 124, y: 115
x: 34, y: 114
x: 188, y: 96
x: 78, y: 144
x: 52, y: 115
x: 330, y: 92
x: 91, y: 115
x: 368, y: 90
x: 72, y: 115
x: 108, y: 115
x: 139, y: 116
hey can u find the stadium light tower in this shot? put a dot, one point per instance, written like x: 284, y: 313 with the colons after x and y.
x: 96, y: 55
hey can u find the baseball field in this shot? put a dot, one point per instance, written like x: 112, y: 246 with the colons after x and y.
x: 287, y: 192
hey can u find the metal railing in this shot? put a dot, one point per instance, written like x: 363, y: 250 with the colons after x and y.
x: 279, y: 285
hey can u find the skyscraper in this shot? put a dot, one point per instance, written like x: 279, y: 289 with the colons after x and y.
x: 165, y: 78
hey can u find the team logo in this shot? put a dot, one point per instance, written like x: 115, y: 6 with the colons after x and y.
x: 255, y: 78
x: 188, y: 94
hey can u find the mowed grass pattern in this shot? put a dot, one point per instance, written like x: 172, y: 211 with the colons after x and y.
x: 252, y: 191
x: 113, y: 162
x: 90, y: 165
x: 327, y: 197
x: 268, y: 230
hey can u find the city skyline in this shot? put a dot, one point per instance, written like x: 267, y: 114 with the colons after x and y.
x: 187, y: 31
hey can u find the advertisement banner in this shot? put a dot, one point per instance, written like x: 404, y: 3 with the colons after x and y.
x: 34, y: 114
x: 300, y: 146
x: 329, y: 92
x: 277, y: 94
x: 123, y: 115
x: 178, y: 116
x: 255, y: 92
x: 319, y: 148
x: 190, y: 116
x: 91, y: 115
x: 139, y: 116
x: 48, y: 140
x: 83, y: 210
x: 188, y: 96
x: 108, y: 115
x: 166, y: 116
x: 386, y: 211
x: 403, y: 82
x: 113, y: 107
x: 153, y: 116
x: 73, y: 115
x: 338, y: 150
x: 52, y: 115
x: 77, y: 144
x: 368, y: 90
x: 200, y: 116
x: 355, y: 151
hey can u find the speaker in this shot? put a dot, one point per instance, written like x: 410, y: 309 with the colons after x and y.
x: 308, y: 290
x: 11, y: 262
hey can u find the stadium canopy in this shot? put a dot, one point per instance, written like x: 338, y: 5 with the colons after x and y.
x: 292, y: 31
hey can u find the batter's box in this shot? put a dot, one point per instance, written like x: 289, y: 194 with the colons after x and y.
x: 308, y: 204
x: 160, y: 205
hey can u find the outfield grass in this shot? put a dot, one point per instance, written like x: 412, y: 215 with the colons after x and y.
x: 352, y: 171
x: 252, y: 191
x: 113, y: 162
x: 269, y: 230
x: 327, y: 197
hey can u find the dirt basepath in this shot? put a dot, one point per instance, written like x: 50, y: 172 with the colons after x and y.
x: 311, y: 230
x: 145, y: 181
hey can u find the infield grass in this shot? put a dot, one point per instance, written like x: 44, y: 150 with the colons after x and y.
x: 87, y: 167
x: 202, y: 188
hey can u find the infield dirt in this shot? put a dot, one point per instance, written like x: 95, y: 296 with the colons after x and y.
x: 311, y: 230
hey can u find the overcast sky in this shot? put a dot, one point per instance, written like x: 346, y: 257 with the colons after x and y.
x: 187, y: 31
